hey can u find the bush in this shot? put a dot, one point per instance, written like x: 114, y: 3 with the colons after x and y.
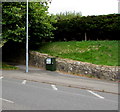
x: 74, y: 27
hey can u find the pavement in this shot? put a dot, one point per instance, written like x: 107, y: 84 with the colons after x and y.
x: 57, y: 78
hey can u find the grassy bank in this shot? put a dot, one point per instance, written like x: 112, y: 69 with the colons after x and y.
x: 5, y: 66
x: 96, y: 52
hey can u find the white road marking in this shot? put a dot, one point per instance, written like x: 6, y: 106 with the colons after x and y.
x: 24, y: 82
x: 54, y: 87
x: 96, y: 94
x: 1, y: 77
x: 6, y: 100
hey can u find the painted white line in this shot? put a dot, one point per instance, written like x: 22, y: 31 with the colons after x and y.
x: 1, y: 77
x: 96, y: 94
x: 24, y: 82
x: 54, y: 87
x: 6, y: 100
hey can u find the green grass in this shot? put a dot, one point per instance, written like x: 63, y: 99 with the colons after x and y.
x: 5, y: 66
x: 96, y: 52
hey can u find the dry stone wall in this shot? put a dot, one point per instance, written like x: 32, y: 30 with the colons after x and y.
x: 76, y: 67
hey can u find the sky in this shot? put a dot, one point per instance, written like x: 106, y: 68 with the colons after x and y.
x: 86, y: 7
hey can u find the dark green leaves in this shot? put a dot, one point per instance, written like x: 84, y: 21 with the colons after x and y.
x: 14, y: 22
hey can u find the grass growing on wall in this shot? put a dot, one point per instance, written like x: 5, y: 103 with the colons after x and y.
x: 96, y: 52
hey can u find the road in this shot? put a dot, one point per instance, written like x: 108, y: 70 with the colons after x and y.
x: 20, y: 94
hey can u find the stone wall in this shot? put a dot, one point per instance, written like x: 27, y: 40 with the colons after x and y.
x: 76, y: 67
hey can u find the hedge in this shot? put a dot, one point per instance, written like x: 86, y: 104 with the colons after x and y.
x: 102, y: 27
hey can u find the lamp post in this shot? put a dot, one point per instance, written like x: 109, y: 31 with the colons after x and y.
x: 27, y: 39
x: 27, y: 56
x: 118, y: 6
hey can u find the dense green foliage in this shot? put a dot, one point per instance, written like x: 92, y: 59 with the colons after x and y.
x: 61, y: 27
x: 73, y: 27
x: 13, y: 18
x: 67, y: 15
x: 14, y: 22
x: 96, y: 52
x: 40, y: 25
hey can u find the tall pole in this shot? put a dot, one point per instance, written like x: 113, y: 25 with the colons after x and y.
x: 118, y: 6
x: 27, y: 39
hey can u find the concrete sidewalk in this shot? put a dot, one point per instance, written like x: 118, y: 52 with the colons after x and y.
x: 57, y: 78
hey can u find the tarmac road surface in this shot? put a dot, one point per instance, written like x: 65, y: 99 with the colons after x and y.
x: 45, y: 90
x: 20, y: 94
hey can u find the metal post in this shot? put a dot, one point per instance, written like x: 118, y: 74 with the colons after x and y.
x: 27, y: 40
x: 118, y: 6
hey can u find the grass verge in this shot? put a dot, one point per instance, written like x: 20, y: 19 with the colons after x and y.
x: 5, y: 66
x: 96, y: 52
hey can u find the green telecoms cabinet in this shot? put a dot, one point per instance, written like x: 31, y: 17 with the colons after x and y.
x: 50, y: 64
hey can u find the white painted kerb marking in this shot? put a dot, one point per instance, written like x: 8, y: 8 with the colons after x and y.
x: 54, y: 87
x: 6, y: 100
x: 24, y: 82
x: 1, y: 77
x: 96, y: 94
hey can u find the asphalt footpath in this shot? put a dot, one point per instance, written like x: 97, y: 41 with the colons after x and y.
x: 58, y: 78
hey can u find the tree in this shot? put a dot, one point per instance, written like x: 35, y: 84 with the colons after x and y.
x: 14, y: 22
x: 66, y: 26
x: 102, y: 27
x: 40, y: 27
